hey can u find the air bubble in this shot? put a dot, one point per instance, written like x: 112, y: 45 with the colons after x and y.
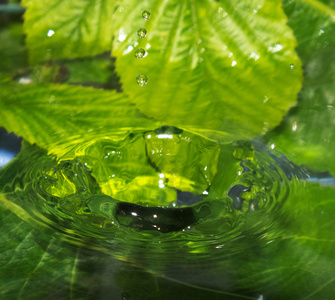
x: 146, y: 15
x: 142, y: 33
x: 140, y: 53
x: 141, y: 79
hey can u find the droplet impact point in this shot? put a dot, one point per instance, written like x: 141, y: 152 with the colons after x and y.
x: 140, y: 53
x: 142, y: 33
x: 146, y: 15
x: 141, y: 80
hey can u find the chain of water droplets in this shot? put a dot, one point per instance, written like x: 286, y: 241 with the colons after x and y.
x: 140, y: 53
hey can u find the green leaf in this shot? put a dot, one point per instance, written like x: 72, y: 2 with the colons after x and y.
x: 67, y: 29
x: 307, y: 135
x: 37, y: 265
x: 12, y: 52
x: 89, y: 71
x: 302, y: 259
x: 214, y: 65
x: 49, y: 114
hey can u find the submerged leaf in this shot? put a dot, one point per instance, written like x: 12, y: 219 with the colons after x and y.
x: 215, y: 65
x: 290, y: 253
x: 307, y: 135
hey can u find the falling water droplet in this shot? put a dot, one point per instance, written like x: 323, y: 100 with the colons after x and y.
x: 140, y: 53
x: 146, y: 15
x: 141, y: 79
x: 292, y: 66
x: 142, y: 33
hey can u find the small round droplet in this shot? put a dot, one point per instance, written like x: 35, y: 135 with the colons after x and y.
x: 292, y: 66
x: 142, y: 32
x: 140, y: 53
x: 146, y: 15
x: 141, y: 79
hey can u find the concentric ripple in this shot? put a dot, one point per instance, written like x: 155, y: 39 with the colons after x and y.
x: 155, y: 191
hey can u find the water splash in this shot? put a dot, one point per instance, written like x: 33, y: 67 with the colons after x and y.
x: 166, y: 180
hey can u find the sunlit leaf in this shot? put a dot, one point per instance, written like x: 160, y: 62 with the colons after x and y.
x: 215, y: 65
x: 44, y: 114
x: 67, y: 29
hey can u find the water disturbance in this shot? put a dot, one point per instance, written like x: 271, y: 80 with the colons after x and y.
x: 142, y: 183
x: 116, y: 206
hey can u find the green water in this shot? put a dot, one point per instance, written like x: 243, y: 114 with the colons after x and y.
x: 145, y: 198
